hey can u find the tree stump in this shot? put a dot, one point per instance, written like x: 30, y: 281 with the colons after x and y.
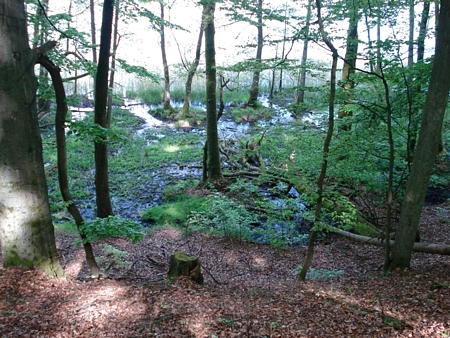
x: 184, y: 265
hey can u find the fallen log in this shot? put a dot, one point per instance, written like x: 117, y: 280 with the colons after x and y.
x: 439, y: 249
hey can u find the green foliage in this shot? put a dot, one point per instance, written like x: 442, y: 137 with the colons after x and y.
x: 176, y: 212
x: 111, y: 226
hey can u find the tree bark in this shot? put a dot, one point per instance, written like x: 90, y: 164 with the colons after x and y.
x: 104, y: 207
x: 93, y: 33
x: 300, y: 96
x: 26, y: 229
x: 349, y: 64
x: 166, y: 97
x: 112, y: 73
x: 427, y: 145
x: 254, y: 91
x: 60, y: 121
x: 192, y: 70
x: 214, y: 170
x: 423, y: 30
x: 411, y: 33
x: 326, y: 148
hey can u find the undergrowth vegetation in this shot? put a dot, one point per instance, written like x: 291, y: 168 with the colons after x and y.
x: 155, y: 172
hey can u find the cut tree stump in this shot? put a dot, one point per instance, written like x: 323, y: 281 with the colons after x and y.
x: 184, y: 265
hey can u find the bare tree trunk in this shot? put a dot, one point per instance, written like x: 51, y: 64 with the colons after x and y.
x: 192, y: 70
x: 214, y: 170
x: 116, y: 39
x: 93, y: 31
x: 427, y: 145
x: 280, y: 83
x: 104, y: 207
x: 300, y: 97
x: 326, y: 148
x: 349, y: 65
x: 411, y: 33
x: 254, y: 91
x: 423, y: 30
x: 166, y: 97
x: 60, y: 121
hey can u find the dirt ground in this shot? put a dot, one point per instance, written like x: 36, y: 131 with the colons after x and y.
x: 249, y: 291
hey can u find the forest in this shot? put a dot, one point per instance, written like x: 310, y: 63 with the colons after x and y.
x: 224, y: 168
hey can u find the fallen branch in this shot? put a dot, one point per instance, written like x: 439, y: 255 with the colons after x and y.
x: 439, y: 249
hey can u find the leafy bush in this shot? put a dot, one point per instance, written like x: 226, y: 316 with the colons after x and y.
x: 111, y: 226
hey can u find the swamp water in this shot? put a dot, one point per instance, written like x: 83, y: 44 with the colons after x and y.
x: 278, y: 199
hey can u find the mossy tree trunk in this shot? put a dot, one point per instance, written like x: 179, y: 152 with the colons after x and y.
x: 184, y: 265
x: 26, y: 229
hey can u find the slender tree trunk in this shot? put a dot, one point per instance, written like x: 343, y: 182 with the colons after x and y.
x: 423, y: 30
x: 349, y: 65
x: 104, y: 207
x: 427, y: 145
x: 113, y: 63
x: 214, y: 170
x: 411, y: 33
x: 280, y: 83
x: 60, y: 121
x: 93, y: 35
x: 326, y: 148
x: 93, y: 31
x: 26, y: 229
x: 300, y: 97
x: 191, y: 72
x: 254, y: 91
x: 166, y: 96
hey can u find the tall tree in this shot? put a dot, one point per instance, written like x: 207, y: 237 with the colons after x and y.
x: 115, y: 46
x: 213, y: 165
x: 166, y: 97
x: 411, y: 32
x: 26, y: 229
x: 427, y: 145
x: 350, y: 61
x: 254, y: 90
x: 300, y: 95
x: 93, y: 31
x: 192, y: 69
x: 104, y: 207
x: 423, y: 30
x: 326, y: 148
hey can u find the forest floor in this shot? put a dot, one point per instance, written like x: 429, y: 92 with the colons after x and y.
x: 249, y: 291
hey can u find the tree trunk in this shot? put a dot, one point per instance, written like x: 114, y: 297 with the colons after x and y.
x: 26, y: 229
x: 254, y: 91
x: 166, y: 96
x: 60, y: 121
x: 326, y: 148
x: 112, y: 73
x: 349, y: 65
x: 104, y: 208
x: 300, y: 96
x: 423, y: 30
x: 427, y: 145
x: 214, y: 170
x: 411, y: 33
x: 93, y: 33
x: 191, y: 72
